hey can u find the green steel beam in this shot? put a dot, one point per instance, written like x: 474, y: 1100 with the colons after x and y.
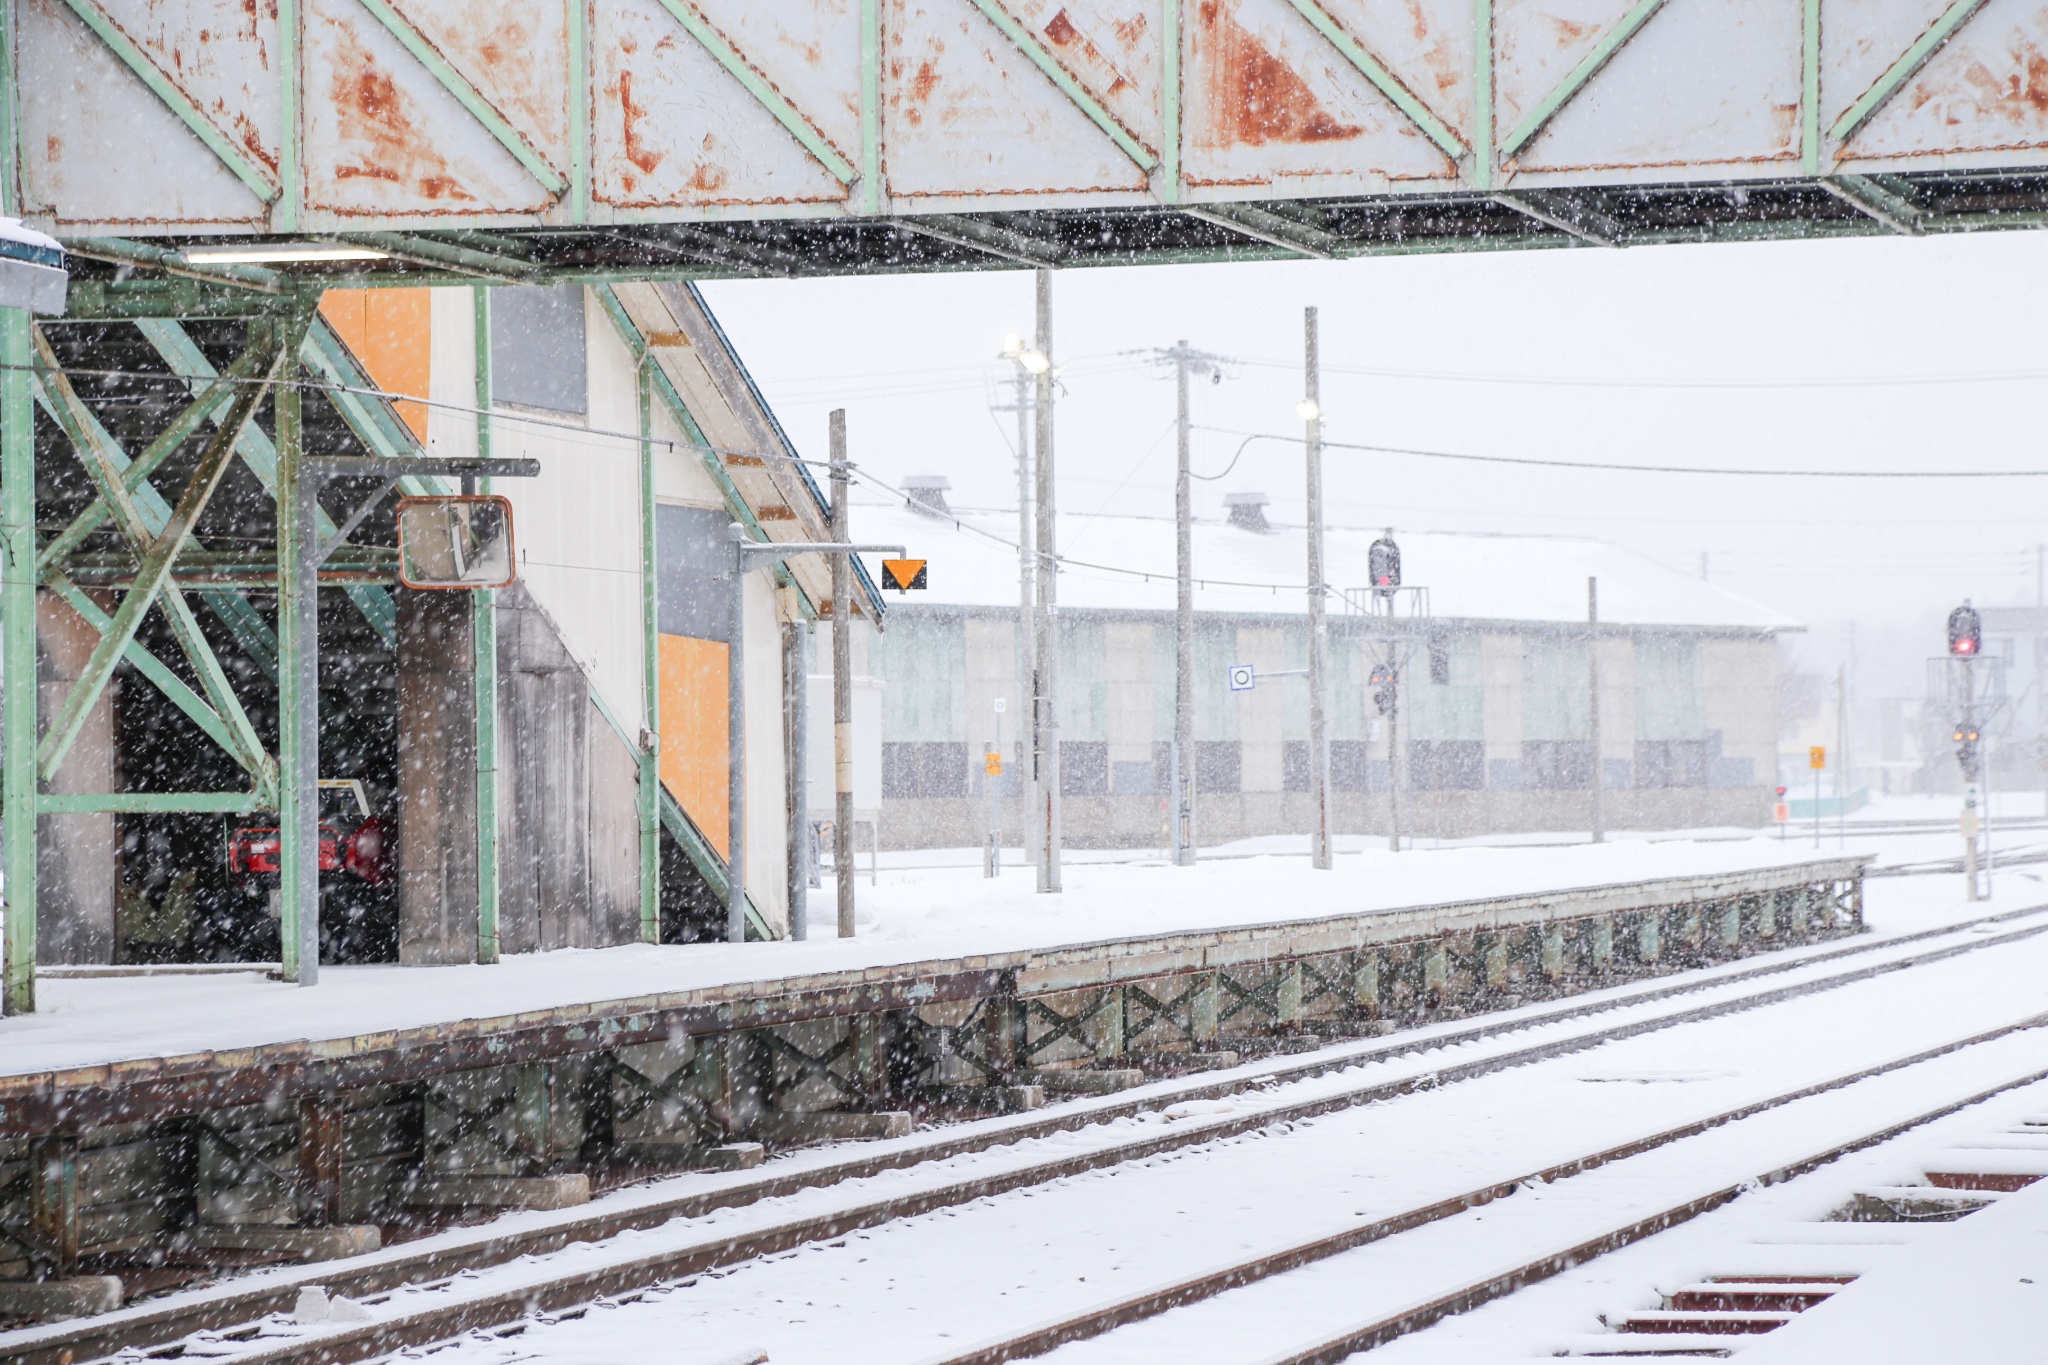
x: 468, y: 96
x: 169, y: 260
x: 183, y: 297
x: 1874, y: 201
x: 1482, y: 94
x: 150, y: 579
x: 1006, y: 243
x: 18, y: 654
x: 142, y: 518
x: 764, y: 93
x: 579, y: 115
x: 1027, y: 43
x: 368, y: 414
x: 210, y: 400
x: 871, y: 107
x: 245, y: 169
x: 649, y: 749
x: 147, y: 664
x: 1809, y: 86
x: 1263, y: 225
x: 1169, y: 102
x: 1588, y: 67
x: 1383, y: 80
x: 291, y: 187
x: 1899, y: 72
x: 1588, y: 225
x: 150, y: 803
x: 259, y: 453
x: 485, y: 620
x: 431, y: 251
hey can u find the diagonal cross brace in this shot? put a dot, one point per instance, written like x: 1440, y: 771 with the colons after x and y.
x: 1589, y: 66
x: 210, y: 401
x: 259, y: 453
x: 150, y: 579
x: 467, y: 95
x: 1899, y: 72
x: 1027, y: 43
x: 141, y: 518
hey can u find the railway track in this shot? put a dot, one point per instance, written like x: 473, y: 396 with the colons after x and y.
x: 236, y: 1320
x: 1106, y: 1318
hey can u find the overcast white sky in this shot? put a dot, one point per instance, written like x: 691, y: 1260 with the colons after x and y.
x: 1626, y: 350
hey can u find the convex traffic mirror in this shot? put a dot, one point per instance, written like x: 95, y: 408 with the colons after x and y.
x: 456, y: 542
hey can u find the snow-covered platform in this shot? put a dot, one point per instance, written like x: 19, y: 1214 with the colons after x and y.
x: 1193, y: 954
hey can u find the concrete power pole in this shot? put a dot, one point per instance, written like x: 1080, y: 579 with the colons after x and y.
x: 1593, y: 704
x: 842, y: 683
x: 1182, y: 769
x: 1045, y: 721
x: 1318, y: 627
x: 1027, y: 578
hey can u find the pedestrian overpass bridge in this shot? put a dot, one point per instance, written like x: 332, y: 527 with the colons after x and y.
x: 520, y: 139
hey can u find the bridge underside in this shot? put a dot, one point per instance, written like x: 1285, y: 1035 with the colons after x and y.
x: 523, y: 139
x: 1617, y: 216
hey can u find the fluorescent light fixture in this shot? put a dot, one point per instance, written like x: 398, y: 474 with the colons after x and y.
x: 1308, y: 410
x: 280, y: 253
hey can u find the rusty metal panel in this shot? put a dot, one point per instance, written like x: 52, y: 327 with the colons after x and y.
x: 1985, y: 91
x: 967, y: 116
x: 709, y: 110
x: 516, y: 53
x: 100, y: 150
x: 383, y: 138
x: 800, y: 47
x: 1861, y: 40
x: 672, y: 129
x: 1270, y: 103
x: 1704, y: 82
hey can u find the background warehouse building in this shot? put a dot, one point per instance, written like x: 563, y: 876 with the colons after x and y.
x: 1490, y: 645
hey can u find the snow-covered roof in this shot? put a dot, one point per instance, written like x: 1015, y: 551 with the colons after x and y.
x: 1122, y: 563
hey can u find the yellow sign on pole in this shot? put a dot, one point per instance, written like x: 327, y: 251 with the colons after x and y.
x: 1817, y: 756
x: 992, y: 763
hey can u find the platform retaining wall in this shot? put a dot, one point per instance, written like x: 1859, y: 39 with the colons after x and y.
x: 186, y: 1160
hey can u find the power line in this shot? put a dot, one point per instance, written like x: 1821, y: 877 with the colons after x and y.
x: 1599, y: 468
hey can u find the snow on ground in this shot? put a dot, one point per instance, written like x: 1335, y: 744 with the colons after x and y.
x: 913, y: 915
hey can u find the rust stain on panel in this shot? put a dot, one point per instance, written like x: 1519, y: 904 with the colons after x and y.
x: 1070, y: 41
x: 376, y: 117
x: 1254, y: 97
x: 514, y: 52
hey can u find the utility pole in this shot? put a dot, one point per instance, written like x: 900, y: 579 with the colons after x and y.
x: 842, y: 681
x: 1186, y: 362
x: 1024, y: 361
x: 1398, y: 655
x: 1318, y: 627
x: 1045, y: 721
x: 1593, y: 704
x: 1183, y: 765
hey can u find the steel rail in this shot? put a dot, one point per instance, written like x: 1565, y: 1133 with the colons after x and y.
x: 1152, y: 1302
x: 89, y: 1338
x: 1365, y: 1336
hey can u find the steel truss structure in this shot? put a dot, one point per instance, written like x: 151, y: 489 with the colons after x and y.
x: 131, y: 527
x: 524, y: 138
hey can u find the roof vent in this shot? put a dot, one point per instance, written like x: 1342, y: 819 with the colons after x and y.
x: 927, y: 493
x: 1248, y: 511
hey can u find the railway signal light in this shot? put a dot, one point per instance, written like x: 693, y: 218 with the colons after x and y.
x: 1965, y: 631
x: 1383, y: 563
x: 1966, y: 740
x: 1383, y: 687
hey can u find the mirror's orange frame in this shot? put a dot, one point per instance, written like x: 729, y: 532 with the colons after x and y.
x: 511, y: 544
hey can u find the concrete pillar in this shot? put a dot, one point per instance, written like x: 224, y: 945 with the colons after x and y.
x: 1553, y: 952
x: 1603, y: 943
x: 1365, y: 985
x: 1287, y: 998
x: 437, y: 844
x: 77, y: 859
x: 1205, y: 1009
